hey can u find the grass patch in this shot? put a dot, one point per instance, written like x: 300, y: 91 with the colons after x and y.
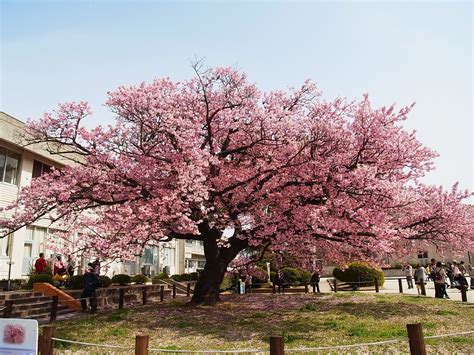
x: 305, y: 320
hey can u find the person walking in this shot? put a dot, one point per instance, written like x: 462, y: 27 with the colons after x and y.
x: 409, y: 274
x: 41, y: 265
x: 90, y: 284
x: 315, y: 278
x: 449, y: 272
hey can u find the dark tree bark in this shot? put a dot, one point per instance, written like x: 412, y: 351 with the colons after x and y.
x: 218, y: 258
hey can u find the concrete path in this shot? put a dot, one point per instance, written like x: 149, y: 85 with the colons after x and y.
x: 391, y: 286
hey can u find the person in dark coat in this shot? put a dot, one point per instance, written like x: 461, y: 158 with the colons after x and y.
x: 315, y: 278
x: 90, y: 284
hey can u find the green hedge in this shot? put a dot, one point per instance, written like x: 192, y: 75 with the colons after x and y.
x: 185, y: 277
x: 39, y: 278
x: 121, y: 279
x: 161, y: 276
x: 140, y: 279
x: 105, y: 281
x: 226, y: 283
x: 359, y: 271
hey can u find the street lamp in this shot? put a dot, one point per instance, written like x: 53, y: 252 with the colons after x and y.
x: 10, y: 263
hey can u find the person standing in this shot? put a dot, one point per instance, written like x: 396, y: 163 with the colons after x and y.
x: 315, y: 278
x: 409, y: 274
x: 439, y: 277
x: 71, y: 265
x: 449, y: 272
x: 420, y: 276
x: 96, y: 266
x: 59, y: 268
x: 90, y: 284
x: 41, y: 265
x: 248, y: 283
x: 471, y: 275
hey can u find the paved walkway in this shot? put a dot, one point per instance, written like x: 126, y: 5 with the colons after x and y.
x: 391, y: 286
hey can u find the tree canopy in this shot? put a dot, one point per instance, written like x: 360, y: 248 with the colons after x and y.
x: 188, y: 160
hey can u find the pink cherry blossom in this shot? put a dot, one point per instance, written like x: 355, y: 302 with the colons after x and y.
x: 188, y: 160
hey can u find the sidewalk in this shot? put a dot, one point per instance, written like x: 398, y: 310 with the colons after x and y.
x: 391, y: 286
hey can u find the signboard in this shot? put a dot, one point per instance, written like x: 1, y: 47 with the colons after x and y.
x: 18, y: 336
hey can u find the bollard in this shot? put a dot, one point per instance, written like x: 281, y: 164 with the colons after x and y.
x: 422, y: 288
x: 277, y: 346
x: 47, y: 341
x: 162, y: 293
x: 174, y: 291
x: 400, y: 286
x: 376, y: 285
x: 121, y: 297
x: 188, y: 290
x: 335, y: 285
x: 415, y: 339
x: 141, y: 344
x: 144, y: 295
x: 54, y: 309
x: 274, y: 288
x: 306, y: 290
x: 463, y: 293
x: 7, y: 312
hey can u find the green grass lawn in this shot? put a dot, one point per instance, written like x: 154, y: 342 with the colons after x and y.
x: 304, y: 320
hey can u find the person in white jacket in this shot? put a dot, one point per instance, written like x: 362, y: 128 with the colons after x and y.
x: 420, y: 276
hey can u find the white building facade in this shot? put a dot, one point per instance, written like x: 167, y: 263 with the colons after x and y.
x: 18, y: 166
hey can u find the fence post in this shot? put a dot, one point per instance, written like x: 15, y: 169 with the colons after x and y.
x: 94, y: 302
x: 306, y: 290
x: 174, y: 291
x: 121, y: 297
x: 463, y: 293
x: 188, y: 290
x: 376, y: 285
x: 335, y: 285
x: 277, y: 346
x: 48, y: 334
x: 415, y: 339
x: 141, y: 344
x: 162, y: 293
x: 422, y: 287
x: 400, y: 286
x: 144, y: 295
x: 54, y: 309
x: 7, y: 312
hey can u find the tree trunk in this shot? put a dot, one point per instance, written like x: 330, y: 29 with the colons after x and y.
x: 218, y: 258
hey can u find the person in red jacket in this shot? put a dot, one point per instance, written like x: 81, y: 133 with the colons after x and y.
x: 40, y: 264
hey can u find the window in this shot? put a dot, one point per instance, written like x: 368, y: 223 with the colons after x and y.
x: 5, y: 244
x: 9, y: 162
x: 40, y: 168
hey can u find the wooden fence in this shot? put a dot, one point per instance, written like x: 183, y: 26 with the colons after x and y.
x: 416, y: 342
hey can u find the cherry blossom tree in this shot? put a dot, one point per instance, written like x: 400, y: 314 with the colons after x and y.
x: 188, y: 160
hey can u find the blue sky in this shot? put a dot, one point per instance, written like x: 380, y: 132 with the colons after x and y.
x: 57, y: 51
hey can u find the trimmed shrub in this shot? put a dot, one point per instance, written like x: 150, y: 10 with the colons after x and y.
x: 359, y: 271
x: 185, y: 277
x: 140, y: 279
x: 305, y: 277
x: 226, y: 283
x: 121, y: 279
x: 161, y: 276
x: 176, y: 277
x: 105, y: 281
x: 39, y: 278
x: 292, y: 276
x: 194, y: 276
x: 75, y: 282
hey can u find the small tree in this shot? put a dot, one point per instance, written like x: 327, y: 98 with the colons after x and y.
x: 191, y: 159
